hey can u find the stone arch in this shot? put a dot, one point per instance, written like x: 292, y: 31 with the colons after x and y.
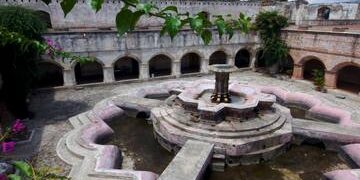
x: 309, y: 65
x: 348, y: 78
x: 218, y: 57
x: 126, y: 68
x: 91, y: 72
x: 45, y: 17
x: 323, y: 13
x: 206, y: 15
x: 50, y: 75
x: 190, y: 63
x: 242, y: 58
x: 160, y: 65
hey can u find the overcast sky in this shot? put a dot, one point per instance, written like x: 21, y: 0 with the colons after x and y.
x: 331, y: 1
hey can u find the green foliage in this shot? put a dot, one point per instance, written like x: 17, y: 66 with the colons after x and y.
x: 319, y: 79
x: 27, y: 171
x: 21, y: 20
x: 132, y: 11
x: 269, y: 25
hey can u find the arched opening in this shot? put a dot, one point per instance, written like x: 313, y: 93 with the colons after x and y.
x: 310, y: 66
x: 50, y: 75
x: 242, y: 59
x: 287, y: 66
x: 206, y: 15
x: 323, y: 13
x: 126, y: 68
x: 260, y: 60
x: 349, y: 79
x: 89, y: 73
x: 218, y: 57
x: 45, y: 17
x: 190, y: 63
x: 160, y: 65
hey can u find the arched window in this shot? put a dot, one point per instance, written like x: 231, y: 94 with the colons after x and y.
x: 242, y: 59
x: 218, y: 57
x: 45, y: 17
x: 190, y: 63
x: 310, y: 66
x: 349, y: 79
x: 324, y: 13
x: 160, y: 65
x: 126, y: 68
x: 50, y: 75
x: 89, y: 73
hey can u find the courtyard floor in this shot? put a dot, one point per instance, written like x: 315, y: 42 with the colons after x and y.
x: 52, y: 108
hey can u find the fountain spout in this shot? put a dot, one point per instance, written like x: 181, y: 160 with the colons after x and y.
x: 221, y: 92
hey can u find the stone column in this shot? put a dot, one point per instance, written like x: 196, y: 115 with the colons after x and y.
x: 252, y: 61
x: 144, y: 71
x: 298, y: 72
x: 176, y: 68
x: 231, y: 60
x: 330, y: 79
x: 204, y: 66
x: 109, y: 75
x: 69, y: 77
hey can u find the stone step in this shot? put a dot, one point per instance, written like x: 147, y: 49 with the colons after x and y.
x: 190, y: 162
x: 64, y: 153
x: 219, y: 134
x: 252, y: 125
x: 84, y: 119
x: 75, y: 122
x: 180, y: 135
x: 218, y: 166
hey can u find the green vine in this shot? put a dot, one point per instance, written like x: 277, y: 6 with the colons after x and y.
x: 269, y: 25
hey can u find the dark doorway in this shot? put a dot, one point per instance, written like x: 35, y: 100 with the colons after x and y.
x: 218, y: 57
x: 126, y: 68
x: 160, y: 65
x: 310, y: 66
x: 349, y: 79
x: 242, y: 59
x: 190, y: 63
x: 89, y: 73
x: 45, y: 17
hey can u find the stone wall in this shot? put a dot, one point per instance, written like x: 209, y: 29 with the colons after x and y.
x: 143, y: 45
x: 334, y: 50
x: 83, y: 17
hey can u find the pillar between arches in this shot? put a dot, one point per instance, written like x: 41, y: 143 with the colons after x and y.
x: 144, y: 72
x: 330, y: 79
x: 109, y: 75
x: 231, y: 60
x: 69, y: 77
x: 204, y: 66
x: 176, y: 68
x: 298, y: 72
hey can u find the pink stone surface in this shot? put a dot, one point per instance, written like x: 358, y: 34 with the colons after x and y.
x: 353, y: 151
x: 341, y: 175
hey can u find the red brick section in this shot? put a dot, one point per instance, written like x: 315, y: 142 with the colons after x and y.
x: 334, y: 49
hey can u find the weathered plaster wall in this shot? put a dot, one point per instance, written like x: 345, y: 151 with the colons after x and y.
x: 83, y: 17
x: 143, y: 45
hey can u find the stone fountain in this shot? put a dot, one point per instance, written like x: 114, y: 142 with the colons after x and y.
x: 243, y: 123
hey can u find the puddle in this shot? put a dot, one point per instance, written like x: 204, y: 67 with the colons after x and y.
x: 300, y: 162
x: 135, y: 138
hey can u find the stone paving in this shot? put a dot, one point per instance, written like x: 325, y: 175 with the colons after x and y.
x: 53, y: 108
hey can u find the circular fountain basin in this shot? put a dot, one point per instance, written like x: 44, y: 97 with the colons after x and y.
x: 248, y: 130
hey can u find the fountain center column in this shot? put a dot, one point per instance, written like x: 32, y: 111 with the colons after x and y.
x: 221, y: 92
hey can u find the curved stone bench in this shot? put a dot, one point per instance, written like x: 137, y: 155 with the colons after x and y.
x: 314, y: 107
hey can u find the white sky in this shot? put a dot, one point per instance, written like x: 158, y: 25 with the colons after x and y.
x: 331, y: 1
